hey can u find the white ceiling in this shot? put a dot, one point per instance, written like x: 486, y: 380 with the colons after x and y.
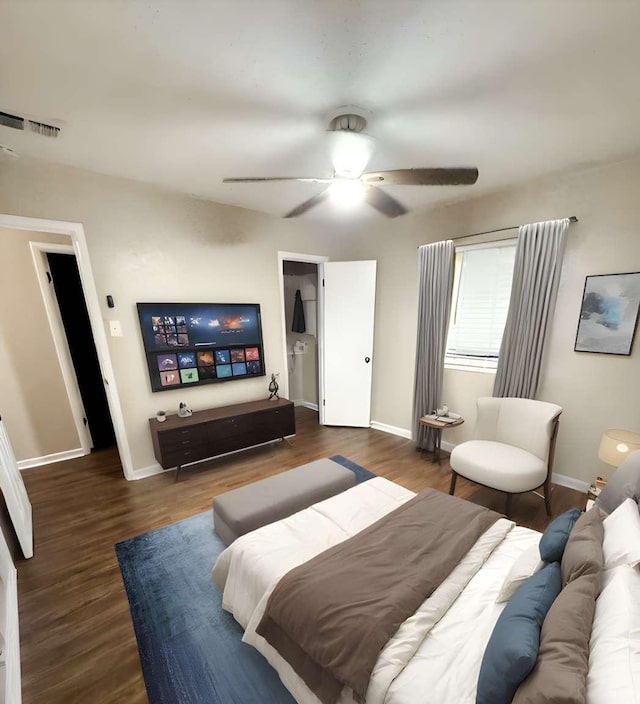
x: 184, y: 92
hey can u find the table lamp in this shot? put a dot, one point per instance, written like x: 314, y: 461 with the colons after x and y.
x: 616, y: 445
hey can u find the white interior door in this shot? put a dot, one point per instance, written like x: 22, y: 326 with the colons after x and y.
x: 349, y: 293
x: 10, y: 683
x: 15, y: 494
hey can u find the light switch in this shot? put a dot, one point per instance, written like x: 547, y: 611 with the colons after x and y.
x: 115, y: 328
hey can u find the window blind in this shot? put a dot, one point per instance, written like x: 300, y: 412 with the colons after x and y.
x: 482, y: 287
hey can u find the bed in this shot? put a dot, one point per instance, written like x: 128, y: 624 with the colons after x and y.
x: 586, y: 648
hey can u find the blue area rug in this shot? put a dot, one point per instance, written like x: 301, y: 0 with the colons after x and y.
x: 190, y: 649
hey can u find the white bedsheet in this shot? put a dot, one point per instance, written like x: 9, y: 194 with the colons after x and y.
x: 435, y: 656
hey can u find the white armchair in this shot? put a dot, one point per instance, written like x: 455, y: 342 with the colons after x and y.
x: 513, y: 450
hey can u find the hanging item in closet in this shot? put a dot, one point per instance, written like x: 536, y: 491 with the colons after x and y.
x: 298, y: 314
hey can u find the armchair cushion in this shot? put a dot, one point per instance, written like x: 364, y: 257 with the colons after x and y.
x: 499, y: 466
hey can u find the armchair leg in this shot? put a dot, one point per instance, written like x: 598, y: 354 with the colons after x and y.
x: 452, y: 486
x: 508, y: 507
x: 547, y: 494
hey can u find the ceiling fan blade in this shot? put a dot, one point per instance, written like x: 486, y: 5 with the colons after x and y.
x: 308, y: 204
x: 260, y: 179
x: 423, y: 177
x: 384, y: 202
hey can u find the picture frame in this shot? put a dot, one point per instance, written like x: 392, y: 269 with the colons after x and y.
x: 609, y: 314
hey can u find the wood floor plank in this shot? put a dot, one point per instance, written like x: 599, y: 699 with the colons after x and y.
x: 77, y: 640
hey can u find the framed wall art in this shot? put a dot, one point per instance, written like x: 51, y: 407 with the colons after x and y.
x: 609, y: 313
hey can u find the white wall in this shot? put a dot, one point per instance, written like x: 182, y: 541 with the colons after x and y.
x: 596, y: 391
x: 147, y: 244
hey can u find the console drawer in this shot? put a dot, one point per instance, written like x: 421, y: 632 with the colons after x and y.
x: 194, y: 453
x: 178, y: 438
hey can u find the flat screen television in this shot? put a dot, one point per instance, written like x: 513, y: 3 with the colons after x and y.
x: 189, y: 344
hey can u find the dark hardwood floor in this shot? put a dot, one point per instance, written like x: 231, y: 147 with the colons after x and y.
x: 77, y: 639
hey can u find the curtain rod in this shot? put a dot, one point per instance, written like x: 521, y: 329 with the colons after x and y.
x: 573, y: 218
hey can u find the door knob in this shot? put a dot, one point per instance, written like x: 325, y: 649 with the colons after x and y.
x: 367, y: 359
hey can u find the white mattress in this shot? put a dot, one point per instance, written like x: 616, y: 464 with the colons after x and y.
x: 435, y: 656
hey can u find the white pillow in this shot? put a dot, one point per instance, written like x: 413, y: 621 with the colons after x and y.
x: 614, y: 651
x: 621, y: 544
x: 524, y: 567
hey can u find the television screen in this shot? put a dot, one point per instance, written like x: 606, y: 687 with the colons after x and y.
x: 188, y: 344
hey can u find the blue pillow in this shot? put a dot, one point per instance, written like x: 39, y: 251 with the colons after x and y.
x: 554, y: 539
x: 512, y: 650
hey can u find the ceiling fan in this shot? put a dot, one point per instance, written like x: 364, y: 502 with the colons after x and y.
x: 351, y: 150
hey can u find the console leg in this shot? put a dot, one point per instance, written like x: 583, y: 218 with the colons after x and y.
x: 178, y: 468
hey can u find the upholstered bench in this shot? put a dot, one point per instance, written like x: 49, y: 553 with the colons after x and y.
x: 242, y: 510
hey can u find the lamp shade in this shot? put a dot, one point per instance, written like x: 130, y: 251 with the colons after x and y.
x: 616, y: 445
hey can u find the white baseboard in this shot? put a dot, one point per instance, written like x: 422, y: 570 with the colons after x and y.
x: 149, y: 471
x: 570, y: 482
x: 49, y: 459
x: 392, y: 429
x: 447, y: 446
x: 306, y: 404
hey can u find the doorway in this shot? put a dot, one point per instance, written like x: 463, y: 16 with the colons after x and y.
x: 300, y: 289
x: 76, y: 234
x: 302, y: 371
x: 67, y: 286
x: 342, y: 307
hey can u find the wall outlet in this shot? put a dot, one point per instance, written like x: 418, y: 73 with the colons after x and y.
x: 115, y: 328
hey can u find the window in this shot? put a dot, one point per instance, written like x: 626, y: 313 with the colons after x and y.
x: 481, y: 291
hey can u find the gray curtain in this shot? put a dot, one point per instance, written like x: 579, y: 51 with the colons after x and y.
x: 435, y: 270
x: 534, y: 291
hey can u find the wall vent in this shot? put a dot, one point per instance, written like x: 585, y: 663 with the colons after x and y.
x: 43, y: 129
x: 7, y: 120
x: 20, y: 123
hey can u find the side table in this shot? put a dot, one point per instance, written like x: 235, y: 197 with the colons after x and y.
x: 439, y: 425
x: 594, y: 491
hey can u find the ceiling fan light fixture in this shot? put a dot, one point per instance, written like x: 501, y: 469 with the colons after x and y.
x: 350, y: 152
x: 346, y: 192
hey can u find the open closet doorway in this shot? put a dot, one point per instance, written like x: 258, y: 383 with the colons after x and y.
x: 300, y: 304
x: 67, y: 288
x: 300, y: 281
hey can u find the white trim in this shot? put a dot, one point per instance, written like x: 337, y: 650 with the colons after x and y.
x: 15, y: 494
x: 447, y: 446
x: 12, y: 690
x: 149, y: 471
x: 391, y: 429
x: 506, y: 242
x: 306, y: 404
x: 75, y: 231
x: 309, y: 259
x: 39, y: 251
x: 570, y: 482
x: 467, y: 365
x: 50, y: 459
